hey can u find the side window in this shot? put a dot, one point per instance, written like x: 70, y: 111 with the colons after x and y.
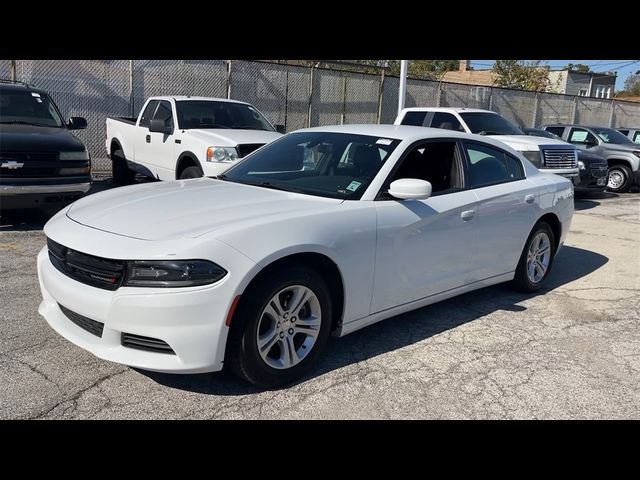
x: 147, y: 115
x: 516, y: 171
x: 624, y: 132
x: 555, y: 130
x: 164, y: 113
x: 636, y: 137
x: 436, y: 162
x: 487, y: 165
x: 416, y: 119
x: 580, y: 135
x: 446, y: 120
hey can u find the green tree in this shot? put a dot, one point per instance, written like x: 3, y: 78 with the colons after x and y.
x: 579, y: 67
x: 632, y: 84
x: 429, y: 69
x: 525, y: 75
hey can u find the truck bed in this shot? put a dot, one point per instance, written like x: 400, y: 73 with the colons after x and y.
x: 130, y: 120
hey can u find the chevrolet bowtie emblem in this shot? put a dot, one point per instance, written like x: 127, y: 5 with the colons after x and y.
x: 12, y: 165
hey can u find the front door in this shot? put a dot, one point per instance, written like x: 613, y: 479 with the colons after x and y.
x: 424, y: 247
x: 154, y: 150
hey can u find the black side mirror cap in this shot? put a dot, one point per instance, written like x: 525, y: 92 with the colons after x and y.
x: 160, y: 126
x: 77, y: 123
x: 280, y: 128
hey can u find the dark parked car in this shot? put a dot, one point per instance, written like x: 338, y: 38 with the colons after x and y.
x: 632, y: 133
x: 41, y: 163
x: 621, y: 154
x: 593, y: 168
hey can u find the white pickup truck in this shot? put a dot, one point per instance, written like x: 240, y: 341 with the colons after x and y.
x: 185, y: 137
x: 548, y: 154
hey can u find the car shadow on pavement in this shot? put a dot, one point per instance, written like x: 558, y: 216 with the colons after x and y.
x: 589, y: 200
x: 403, y: 330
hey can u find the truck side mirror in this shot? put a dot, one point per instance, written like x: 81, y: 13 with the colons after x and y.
x: 77, y: 123
x: 160, y: 126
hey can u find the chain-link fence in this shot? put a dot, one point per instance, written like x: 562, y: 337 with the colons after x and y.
x: 292, y: 95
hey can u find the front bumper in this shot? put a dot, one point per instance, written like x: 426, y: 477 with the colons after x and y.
x: 569, y: 173
x: 592, y: 179
x: 26, y: 196
x: 190, y: 320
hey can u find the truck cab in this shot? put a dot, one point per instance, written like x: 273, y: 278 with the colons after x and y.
x: 547, y: 154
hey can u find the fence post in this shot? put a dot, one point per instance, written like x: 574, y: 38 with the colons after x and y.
x: 344, y: 98
x: 613, y: 107
x: 380, y: 96
x: 439, y: 96
x: 228, y: 78
x: 574, y: 114
x: 131, y: 97
x: 310, y: 97
x: 491, y: 98
x: 534, y: 116
x: 13, y: 71
x: 286, y: 99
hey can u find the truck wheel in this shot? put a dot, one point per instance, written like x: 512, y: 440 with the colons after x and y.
x: 620, y: 179
x: 121, y: 173
x: 191, y: 172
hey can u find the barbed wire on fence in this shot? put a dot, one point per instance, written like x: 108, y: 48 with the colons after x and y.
x: 297, y: 96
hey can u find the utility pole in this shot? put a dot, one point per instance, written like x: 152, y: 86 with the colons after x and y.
x: 403, y: 84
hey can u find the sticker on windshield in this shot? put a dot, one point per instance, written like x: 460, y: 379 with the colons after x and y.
x: 384, y: 141
x: 353, y: 186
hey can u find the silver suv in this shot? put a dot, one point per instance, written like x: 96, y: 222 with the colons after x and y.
x: 631, y: 133
x: 622, y: 155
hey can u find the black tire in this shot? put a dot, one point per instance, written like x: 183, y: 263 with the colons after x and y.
x: 521, y: 280
x: 191, y: 172
x: 121, y: 173
x: 619, y: 171
x: 242, y: 354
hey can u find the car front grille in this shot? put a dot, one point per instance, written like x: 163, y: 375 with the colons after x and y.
x: 145, y: 343
x: 91, y: 326
x: 28, y: 164
x: 559, y: 157
x: 247, y: 148
x: 95, y: 271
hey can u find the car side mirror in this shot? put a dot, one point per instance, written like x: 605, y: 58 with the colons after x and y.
x: 280, y: 128
x: 160, y: 126
x: 590, y: 142
x: 77, y: 123
x: 410, y: 188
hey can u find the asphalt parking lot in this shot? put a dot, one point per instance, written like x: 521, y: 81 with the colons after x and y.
x: 572, y: 351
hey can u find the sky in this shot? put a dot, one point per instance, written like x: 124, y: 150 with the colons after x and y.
x: 623, y: 67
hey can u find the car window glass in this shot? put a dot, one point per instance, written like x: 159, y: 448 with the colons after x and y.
x: 164, y: 113
x: 556, y: 130
x: 147, y: 115
x: 445, y: 120
x: 636, y: 138
x: 414, y: 118
x: 435, y: 162
x: 487, y: 165
x: 579, y: 135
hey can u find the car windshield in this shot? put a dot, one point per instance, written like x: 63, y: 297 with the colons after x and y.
x: 609, y: 135
x: 485, y: 123
x: 26, y: 107
x: 327, y: 164
x: 536, y: 132
x: 214, y: 114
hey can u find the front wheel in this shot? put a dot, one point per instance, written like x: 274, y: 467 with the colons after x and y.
x: 191, y: 172
x: 536, y: 259
x: 620, y: 179
x: 280, y: 327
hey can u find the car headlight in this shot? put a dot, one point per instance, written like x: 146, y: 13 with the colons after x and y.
x: 534, y: 157
x: 636, y: 153
x: 81, y: 155
x: 222, y: 154
x: 172, y: 273
x: 581, y: 165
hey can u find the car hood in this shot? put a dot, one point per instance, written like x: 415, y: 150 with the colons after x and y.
x: 31, y: 138
x: 189, y: 208
x: 228, y: 137
x: 526, y: 142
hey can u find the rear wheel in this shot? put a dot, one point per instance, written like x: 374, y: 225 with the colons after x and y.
x: 121, y: 173
x: 191, y: 172
x: 620, y: 178
x: 280, y: 327
x: 536, y: 259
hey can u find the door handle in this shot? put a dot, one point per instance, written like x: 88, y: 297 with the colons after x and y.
x: 467, y: 215
x: 530, y: 198
x: 148, y: 138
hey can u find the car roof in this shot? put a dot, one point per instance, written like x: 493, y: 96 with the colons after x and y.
x: 575, y: 125
x: 398, y: 132
x: 20, y: 87
x: 447, y: 109
x: 180, y: 98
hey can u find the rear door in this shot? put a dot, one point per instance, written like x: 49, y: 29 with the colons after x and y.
x: 506, y: 207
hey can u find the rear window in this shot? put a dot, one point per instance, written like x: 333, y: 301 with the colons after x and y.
x: 416, y: 119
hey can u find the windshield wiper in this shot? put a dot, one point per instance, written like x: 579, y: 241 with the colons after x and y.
x: 491, y: 132
x: 273, y: 187
x: 22, y: 122
x: 222, y: 176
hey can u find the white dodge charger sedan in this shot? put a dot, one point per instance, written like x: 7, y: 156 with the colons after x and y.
x: 325, y: 230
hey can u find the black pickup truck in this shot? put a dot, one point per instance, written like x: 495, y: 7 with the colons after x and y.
x: 41, y: 163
